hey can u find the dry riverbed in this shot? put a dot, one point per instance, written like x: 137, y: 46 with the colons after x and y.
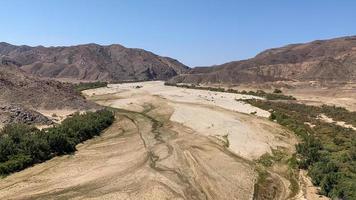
x: 166, y: 143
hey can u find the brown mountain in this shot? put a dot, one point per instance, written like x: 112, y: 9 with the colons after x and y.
x: 20, y: 89
x: 324, y: 60
x: 91, y: 62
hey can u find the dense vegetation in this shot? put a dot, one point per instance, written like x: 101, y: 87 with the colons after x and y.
x: 327, y: 150
x: 22, y: 145
x: 340, y: 114
x: 276, y: 95
x: 89, y: 85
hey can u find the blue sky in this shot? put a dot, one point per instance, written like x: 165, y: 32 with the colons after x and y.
x: 196, y: 32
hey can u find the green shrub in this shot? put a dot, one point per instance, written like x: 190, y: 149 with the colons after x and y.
x: 266, y: 160
x: 15, y: 163
x: 89, y: 85
x: 278, y: 91
x: 22, y: 145
x: 259, y: 93
x: 326, y: 150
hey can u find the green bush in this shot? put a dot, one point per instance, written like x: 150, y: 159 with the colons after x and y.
x: 259, y: 93
x: 326, y: 150
x: 278, y: 91
x: 89, y: 85
x: 22, y: 145
x: 15, y: 163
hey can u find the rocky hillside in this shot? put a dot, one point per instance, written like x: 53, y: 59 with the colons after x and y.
x: 19, y: 114
x: 30, y: 92
x: 323, y: 60
x: 91, y: 62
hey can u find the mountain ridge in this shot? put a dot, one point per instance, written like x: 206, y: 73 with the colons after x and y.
x: 91, y: 62
x: 324, y: 60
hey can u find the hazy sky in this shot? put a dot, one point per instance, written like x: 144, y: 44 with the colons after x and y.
x: 196, y: 32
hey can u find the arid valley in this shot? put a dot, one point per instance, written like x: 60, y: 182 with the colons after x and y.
x: 168, y: 143
x: 177, y: 100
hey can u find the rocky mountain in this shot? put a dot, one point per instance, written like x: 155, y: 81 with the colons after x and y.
x: 323, y: 60
x: 91, y: 62
x: 18, y: 88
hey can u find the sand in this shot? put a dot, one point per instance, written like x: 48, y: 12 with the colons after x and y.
x: 249, y: 136
x: 166, y: 143
x: 207, y: 113
x: 183, y: 95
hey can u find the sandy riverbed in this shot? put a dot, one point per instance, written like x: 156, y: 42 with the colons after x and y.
x: 207, y: 113
x: 164, y: 145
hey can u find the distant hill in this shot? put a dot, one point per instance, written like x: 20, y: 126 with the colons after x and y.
x: 323, y: 60
x: 91, y: 62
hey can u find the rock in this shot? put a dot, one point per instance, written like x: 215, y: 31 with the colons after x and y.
x: 19, y: 114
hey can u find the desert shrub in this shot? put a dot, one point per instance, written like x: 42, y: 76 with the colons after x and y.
x: 23, y: 145
x: 272, y: 116
x: 326, y: 150
x: 277, y: 91
x: 259, y: 93
x: 15, y: 163
x: 89, y: 85
x: 266, y: 160
x: 60, y: 142
x: 339, y: 114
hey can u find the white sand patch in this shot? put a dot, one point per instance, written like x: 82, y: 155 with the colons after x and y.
x: 133, y: 104
x: 57, y: 115
x: 339, y: 123
x: 208, y: 113
x: 220, y: 99
x: 249, y: 138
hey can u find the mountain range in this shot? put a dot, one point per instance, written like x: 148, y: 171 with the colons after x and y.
x: 320, y: 60
x: 91, y: 62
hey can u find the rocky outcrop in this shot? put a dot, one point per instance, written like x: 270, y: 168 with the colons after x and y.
x: 18, y: 88
x: 18, y: 114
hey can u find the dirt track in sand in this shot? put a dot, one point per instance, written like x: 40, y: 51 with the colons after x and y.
x: 146, y: 155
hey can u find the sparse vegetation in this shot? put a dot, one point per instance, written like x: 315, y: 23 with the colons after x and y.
x: 89, y: 85
x: 22, y: 145
x: 268, y: 159
x: 293, y: 174
x: 267, y: 186
x: 259, y: 93
x: 277, y: 91
x: 327, y: 150
x: 226, y: 140
x: 275, y: 162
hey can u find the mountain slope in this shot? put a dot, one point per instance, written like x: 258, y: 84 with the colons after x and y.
x: 30, y: 92
x: 91, y: 62
x: 324, y: 60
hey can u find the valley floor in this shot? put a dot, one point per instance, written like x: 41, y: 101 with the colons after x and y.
x: 166, y: 143
x: 312, y: 92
